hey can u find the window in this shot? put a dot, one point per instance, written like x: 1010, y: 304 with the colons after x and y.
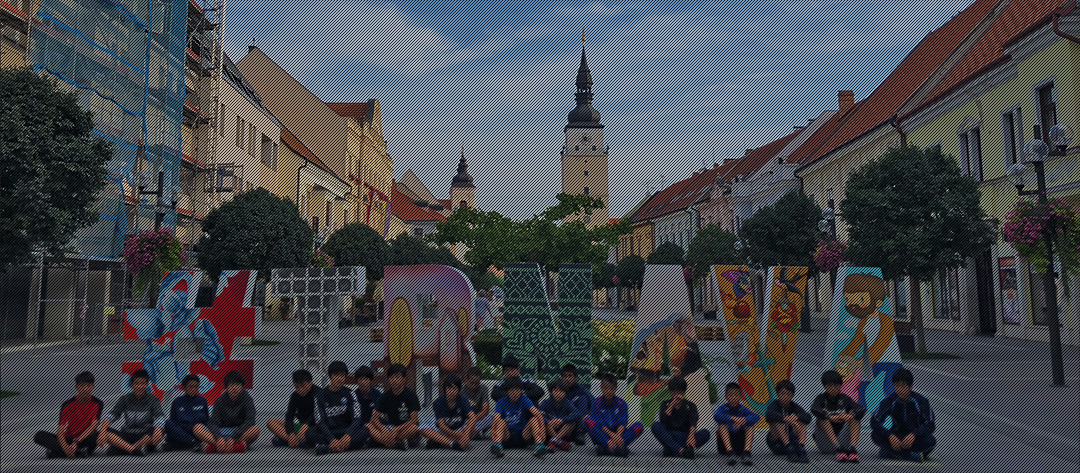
x: 240, y: 128
x: 586, y: 173
x: 329, y: 209
x: 946, y: 287
x: 1012, y: 135
x: 221, y: 121
x: 971, y: 153
x: 418, y: 232
x: 586, y: 191
x: 463, y: 205
x: 251, y: 139
x: 1047, y: 106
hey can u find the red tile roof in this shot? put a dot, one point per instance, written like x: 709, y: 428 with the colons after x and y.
x: 403, y: 207
x: 758, y: 157
x: 1018, y: 20
x: 912, y: 72
x: 292, y: 142
x: 355, y: 110
x: 681, y: 195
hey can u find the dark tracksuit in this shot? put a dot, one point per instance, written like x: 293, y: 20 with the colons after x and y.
x: 300, y: 411
x: 912, y: 417
x: 529, y: 387
x: 723, y: 416
x: 583, y: 400
x: 612, y: 416
x: 336, y: 415
x: 186, y: 412
x: 775, y: 414
x: 238, y: 415
x: 672, y: 431
x: 825, y: 406
x: 367, y: 404
x: 565, y: 410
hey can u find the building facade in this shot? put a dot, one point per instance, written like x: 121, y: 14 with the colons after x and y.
x: 584, y: 157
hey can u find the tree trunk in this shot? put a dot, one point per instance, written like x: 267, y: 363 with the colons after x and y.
x: 917, y: 315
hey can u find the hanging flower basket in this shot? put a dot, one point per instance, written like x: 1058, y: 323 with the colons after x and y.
x: 150, y: 254
x: 322, y: 260
x: 829, y: 254
x: 1025, y: 228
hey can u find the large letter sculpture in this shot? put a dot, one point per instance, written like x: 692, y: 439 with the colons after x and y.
x: 175, y: 325
x: 785, y: 296
x: 542, y: 340
x: 862, y: 341
x: 317, y: 295
x: 665, y: 342
x: 741, y: 330
x: 428, y: 316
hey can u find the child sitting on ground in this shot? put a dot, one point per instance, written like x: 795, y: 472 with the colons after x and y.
x: 911, y: 435
x: 561, y: 417
x: 232, y: 423
x: 187, y: 411
x: 735, y: 427
x: 607, y: 421
x: 143, y: 420
x: 454, y: 420
x: 292, y: 432
x: 677, y: 428
x: 76, y: 436
x: 839, y: 419
x: 517, y: 422
x: 787, y: 424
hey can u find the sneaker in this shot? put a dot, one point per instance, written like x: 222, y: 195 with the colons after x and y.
x: 82, y: 453
x: 565, y: 445
x: 322, y: 449
x: 539, y: 450
x: 917, y: 457
x: 497, y: 450
x: 52, y: 454
x: 804, y: 457
x: 622, y: 451
x: 747, y: 460
x: 402, y: 445
x: 431, y: 444
x: 139, y: 452
x: 457, y: 446
x: 210, y: 448
x: 731, y: 459
x: 151, y: 447
x: 852, y: 455
x: 792, y: 454
x: 239, y: 447
x: 579, y: 438
x: 198, y: 447
x: 841, y: 456
x: 688, y: 453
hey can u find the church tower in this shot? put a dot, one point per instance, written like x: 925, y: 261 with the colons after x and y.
x: 584, y: 156
x: 462, y: 189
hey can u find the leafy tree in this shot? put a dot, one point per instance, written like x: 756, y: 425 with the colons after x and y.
x: 255, y: 230
x: 912, y: 213
x: 667, y: 253
x: 357, y: 244
x: 631, y: 270
x: 51, y: 166
x: 491, y: 238
x: 406, y: 249
x: 711, y: 245
x: 602, y: 276
x: 784, y: 233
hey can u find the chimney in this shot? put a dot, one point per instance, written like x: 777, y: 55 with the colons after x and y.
x: 846, y: 100
x: 748, y: 151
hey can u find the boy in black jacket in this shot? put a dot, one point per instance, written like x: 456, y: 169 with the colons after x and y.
x: 787, y: 423
x: 454, y: 419
x: 293, y: 430
x: 366, y: 394
x: 581, y: 397
x: 396, y: 419
x: 512, y: 369
x: 336, y: 420
x: 187, y: 411
x: 232, y: 422
x: 561, y: 416
x: 911, y: 436
x: 677, y: 428
x: 839, y: 419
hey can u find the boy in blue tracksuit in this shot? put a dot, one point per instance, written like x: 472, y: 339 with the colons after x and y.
x: 187, y: 411
x: 911, y: 433
x: 581, y: 397
x: 561, y: 416
x: 607, y: 421
x: 735, y: 426
x: 337, y: 427
x: 516, y: 422
x: 454, y: 419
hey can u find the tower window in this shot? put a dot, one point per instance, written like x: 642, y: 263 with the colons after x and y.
x: 586, y: 191
x: 594, y: 148
x: 463, y: 205
x: 577, y: 148
x: 586, y: 173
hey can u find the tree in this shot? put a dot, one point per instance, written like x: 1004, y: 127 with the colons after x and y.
x: 491, y: 238
x: 667, y: 253
x: 602, y: 276
x: 406, y: 249
x: 630, y: 271
x: 51, y: 166
x: 783, y: 234
x: 255, y: 230
x: 912, y: 213
x: 357, y: 244
x: 712, y: 245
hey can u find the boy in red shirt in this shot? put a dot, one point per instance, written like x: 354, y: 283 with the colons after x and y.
x: 76, y: 435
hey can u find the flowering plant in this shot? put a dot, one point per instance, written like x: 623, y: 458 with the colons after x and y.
x: 829, y: 254
x: 322, y: 260
x: 1025, y: 228
x: 150, y: 254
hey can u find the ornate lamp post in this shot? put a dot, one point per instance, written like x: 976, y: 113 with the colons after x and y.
x: 167, y: 197
x: 1036, y: 152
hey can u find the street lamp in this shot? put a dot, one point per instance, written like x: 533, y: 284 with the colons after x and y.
x: 1037, y: 151
x: 170, y: 195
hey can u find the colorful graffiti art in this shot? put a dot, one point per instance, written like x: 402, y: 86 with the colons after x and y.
x: 318, y: 298
x: 428, y: 315
x: 175, y: 328
x: 862, y: 340
x: 785, y: 294
x: 741, y: 330
x: 542, y: 340
x: 665, y: 343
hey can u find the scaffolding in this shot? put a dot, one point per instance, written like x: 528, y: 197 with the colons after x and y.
x: 205, y: 54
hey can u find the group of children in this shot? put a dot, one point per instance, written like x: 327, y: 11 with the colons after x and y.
x: 336, y: 419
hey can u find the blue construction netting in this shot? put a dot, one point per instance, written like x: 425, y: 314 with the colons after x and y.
x: 125, y: 59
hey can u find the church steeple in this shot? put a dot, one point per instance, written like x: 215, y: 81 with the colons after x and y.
x: 584, y: 115
x: 462, y: 179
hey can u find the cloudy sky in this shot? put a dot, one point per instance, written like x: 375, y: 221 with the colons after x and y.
x: 678, y: 84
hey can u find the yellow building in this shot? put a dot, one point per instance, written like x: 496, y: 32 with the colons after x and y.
x: 13, y: 23
x: 1021, y: 73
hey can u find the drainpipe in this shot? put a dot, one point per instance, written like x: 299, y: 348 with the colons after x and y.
x: 895, y: 124
x: 302, y: 166
x: 1057, y: 14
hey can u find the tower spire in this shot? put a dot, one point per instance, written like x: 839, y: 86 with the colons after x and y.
x: 584, y: 114
x: 462, y: 179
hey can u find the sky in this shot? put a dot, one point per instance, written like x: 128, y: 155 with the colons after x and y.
x: 678, y: 84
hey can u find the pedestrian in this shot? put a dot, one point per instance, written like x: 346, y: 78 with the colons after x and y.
x: 293, y: 430
x: 676, y: 430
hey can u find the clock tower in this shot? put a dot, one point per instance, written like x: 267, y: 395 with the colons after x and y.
x: 585, y: 156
